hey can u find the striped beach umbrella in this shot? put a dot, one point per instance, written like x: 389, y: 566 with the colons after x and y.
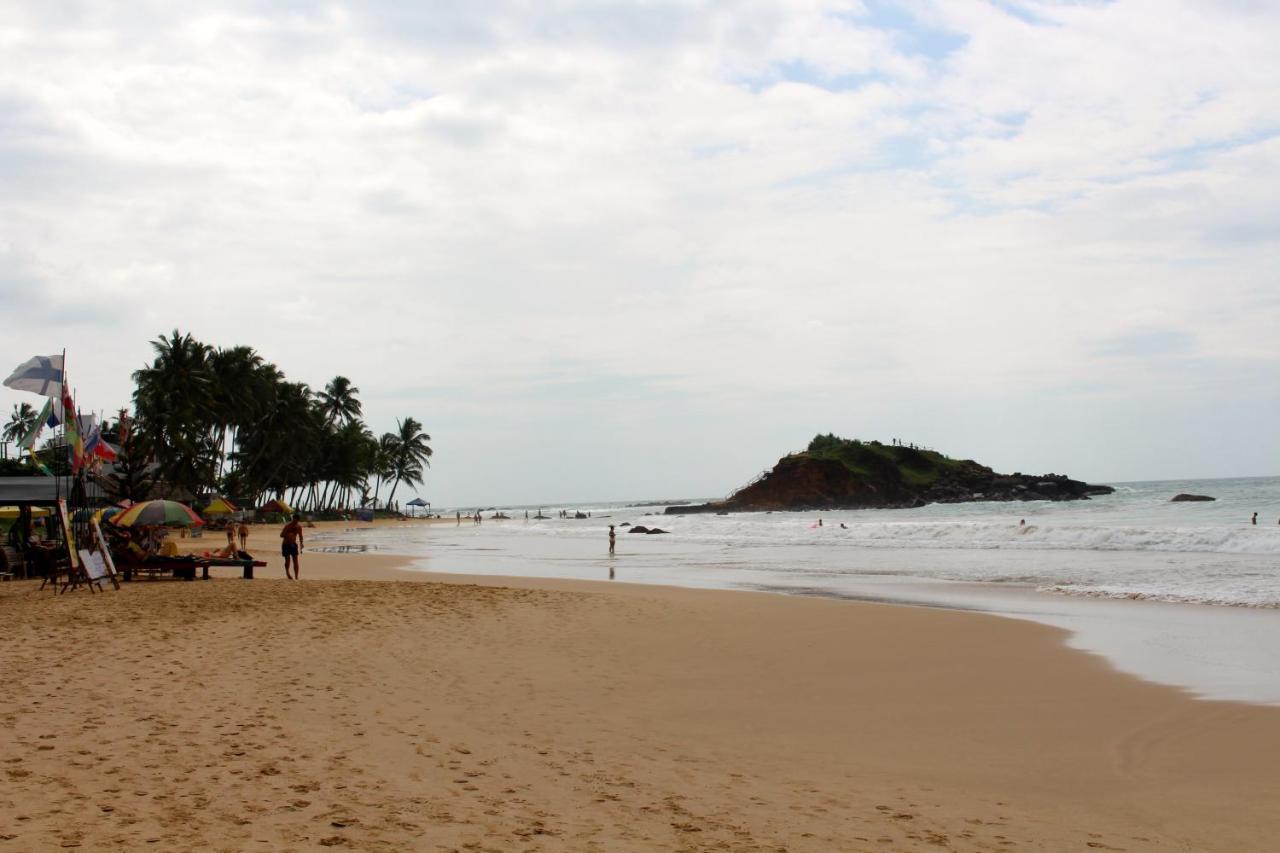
x: 157, y: 513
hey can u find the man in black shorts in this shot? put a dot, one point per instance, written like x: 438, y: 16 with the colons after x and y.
x: 292, y: 536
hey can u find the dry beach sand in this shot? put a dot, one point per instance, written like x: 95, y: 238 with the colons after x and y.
x: 375, y: 709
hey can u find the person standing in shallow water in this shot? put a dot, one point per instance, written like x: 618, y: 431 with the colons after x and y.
x: 1254, y: 520
x: 292, y: 544
x: 613, y: 538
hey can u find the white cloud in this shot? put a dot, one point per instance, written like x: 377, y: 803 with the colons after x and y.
x: 755, y: 203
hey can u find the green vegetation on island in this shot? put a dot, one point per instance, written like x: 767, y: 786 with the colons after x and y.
x: 840, y: 473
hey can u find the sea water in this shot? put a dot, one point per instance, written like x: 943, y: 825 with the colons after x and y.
x: 1186, y: 594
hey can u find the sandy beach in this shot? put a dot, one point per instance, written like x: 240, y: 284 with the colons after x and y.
x: 370, y: 707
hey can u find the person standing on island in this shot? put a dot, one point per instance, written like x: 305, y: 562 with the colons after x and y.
x: 243, y: 530
x: 292, y: 536
x: 613, y: 538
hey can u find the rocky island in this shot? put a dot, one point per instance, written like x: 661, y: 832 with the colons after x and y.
x: 840, y: 473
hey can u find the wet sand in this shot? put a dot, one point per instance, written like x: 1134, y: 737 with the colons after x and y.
x: 446, y: 713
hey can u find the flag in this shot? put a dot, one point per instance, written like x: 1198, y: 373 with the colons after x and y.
x: 44, y: 469
x: 55, y: 414
x: 95, y: 446
x: 40, y: 375
x: 74, y: 442
x: 29, y: 440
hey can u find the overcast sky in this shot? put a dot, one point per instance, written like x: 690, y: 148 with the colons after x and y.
x: 610, y: 250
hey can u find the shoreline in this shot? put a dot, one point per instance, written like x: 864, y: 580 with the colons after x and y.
x: 438, y: 711
x: 1211, y: 651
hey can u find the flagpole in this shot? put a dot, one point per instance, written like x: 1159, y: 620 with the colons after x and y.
x: 57, y: 480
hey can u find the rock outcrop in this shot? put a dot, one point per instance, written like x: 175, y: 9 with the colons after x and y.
x: 1184, y: 497
x: 837, y: 473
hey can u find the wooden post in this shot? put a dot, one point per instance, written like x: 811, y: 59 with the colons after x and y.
x: 106, y: 553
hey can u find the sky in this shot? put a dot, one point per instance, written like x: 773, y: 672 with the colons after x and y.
x: 641, y: 250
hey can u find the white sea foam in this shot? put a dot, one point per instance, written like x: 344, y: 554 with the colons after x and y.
x: 1133, y: 544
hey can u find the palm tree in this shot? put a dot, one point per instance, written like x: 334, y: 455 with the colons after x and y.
x: 20, y: 423
x: 409, y: 453
x: 235, y: 393
x: 177, y: 411
x: 383, y: 459
x: 338, y: 401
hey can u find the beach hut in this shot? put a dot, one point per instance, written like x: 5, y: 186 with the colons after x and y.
x: 26, y: 499
x: 220, y: 506
x: 276, y: 506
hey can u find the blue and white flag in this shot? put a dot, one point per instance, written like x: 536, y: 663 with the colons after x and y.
x: 41, y: 375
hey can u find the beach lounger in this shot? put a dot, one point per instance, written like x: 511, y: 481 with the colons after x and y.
x: 180, y: 567
x: 246, y: 563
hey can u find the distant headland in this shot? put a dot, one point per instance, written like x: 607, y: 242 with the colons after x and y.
x: 841, y: 473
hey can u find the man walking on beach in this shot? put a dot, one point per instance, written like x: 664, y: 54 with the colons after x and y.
x: 292, y: 536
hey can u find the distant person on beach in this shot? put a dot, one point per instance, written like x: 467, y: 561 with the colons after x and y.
x: 1255, y: 519
x: 819, y: 522
x: 231, y: 534
x: 842, y: 527
x: 292, y: 536
x: 1022, y: 522
x: 243, y: 531
x: 613, y: 538
x: 459, y: 516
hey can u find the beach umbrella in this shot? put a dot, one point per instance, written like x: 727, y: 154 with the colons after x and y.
x: 276, y: 505
x: 8, y: 512
x: 158, y: 512
x: 418, y: 502
x: 107, y: 513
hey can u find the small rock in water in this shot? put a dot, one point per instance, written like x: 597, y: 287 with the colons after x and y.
x: 1186, y: 497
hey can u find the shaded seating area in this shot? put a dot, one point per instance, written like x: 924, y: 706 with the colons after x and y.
x: 35, y: 533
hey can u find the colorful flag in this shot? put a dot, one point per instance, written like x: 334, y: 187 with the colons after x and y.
x: 74, y: 441
x: 94, y: 444
x: 44, y: 469
x: 40, y: 375
x: 29, y: 440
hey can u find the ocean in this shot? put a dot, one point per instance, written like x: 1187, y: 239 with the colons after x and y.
x: 1186, y: 594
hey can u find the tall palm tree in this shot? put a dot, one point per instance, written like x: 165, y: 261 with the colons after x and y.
x: 20, y: 423
x: 234, y: 389
x: 409, y: 453
x: 383, y: 459
x: 176, y: 409
x: 338, y: 401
